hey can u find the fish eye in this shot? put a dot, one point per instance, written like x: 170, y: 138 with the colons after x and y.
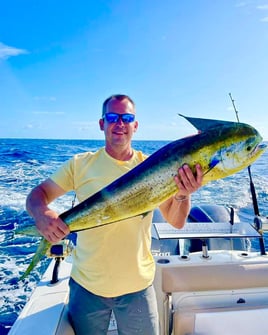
x: 249, y: 148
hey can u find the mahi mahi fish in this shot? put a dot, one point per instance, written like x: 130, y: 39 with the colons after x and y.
x: 222, y: 148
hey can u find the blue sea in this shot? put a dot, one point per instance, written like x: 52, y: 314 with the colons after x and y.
x: 26, y: 162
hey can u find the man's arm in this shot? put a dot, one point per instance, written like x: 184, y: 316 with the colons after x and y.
x: 47, y: 221
x: 176, y: 209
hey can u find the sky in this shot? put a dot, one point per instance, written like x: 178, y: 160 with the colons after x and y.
x: 59, y: 60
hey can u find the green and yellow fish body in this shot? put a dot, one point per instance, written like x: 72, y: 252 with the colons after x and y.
x: 222, y: 148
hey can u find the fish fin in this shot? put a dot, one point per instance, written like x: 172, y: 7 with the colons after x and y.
x: 141, y: 216
x: 40, y: 252
x: 29, y: 230
x: 205, y: 124
x: 145, y: 214
x: 212, y: 164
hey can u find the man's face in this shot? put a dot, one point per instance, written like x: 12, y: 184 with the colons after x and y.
x: 119, y: 133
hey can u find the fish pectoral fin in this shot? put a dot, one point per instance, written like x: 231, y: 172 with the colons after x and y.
x: 211, y: 166
x: 40, y: 252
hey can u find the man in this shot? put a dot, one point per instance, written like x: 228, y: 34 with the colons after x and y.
x: 113, y: 268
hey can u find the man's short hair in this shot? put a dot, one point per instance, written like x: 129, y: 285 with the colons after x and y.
x: 119, y: 97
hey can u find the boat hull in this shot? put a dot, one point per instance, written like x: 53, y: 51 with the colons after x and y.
x: 195, y: 293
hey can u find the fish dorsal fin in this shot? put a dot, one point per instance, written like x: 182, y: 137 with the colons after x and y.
x: 205, y: 124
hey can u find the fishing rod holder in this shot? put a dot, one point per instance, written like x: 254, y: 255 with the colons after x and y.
x: 205, y: 254
x: 59, y: 251
x: 261, y: 225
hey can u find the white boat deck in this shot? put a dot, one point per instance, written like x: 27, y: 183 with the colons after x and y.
x: 47, y: 304
x: 211, y: 292
x: 46, y: 311
x: 195, y: 296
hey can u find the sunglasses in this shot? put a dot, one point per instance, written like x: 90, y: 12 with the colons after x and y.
x: 114, y: 117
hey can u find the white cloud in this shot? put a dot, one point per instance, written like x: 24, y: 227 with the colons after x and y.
x: 264, y: 19
x: 7, y: 51
x: 262, y: 7
x: 85, y: 125
x: 241, y: 4
x: 44, y: 98
x: 28, y: 126
x: 44, y: 112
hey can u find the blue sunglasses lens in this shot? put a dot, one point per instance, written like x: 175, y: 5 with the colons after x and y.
x: 113, y: 117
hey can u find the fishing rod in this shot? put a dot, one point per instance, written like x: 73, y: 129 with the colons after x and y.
x: 257, y: 219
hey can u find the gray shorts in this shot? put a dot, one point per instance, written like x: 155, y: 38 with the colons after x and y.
x: 135, y: 313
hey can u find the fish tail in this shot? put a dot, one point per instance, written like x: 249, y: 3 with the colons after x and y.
x: 40, y: 252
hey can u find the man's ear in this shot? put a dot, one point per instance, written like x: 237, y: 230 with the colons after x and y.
x: 136, y: 126
x: 101, y: 123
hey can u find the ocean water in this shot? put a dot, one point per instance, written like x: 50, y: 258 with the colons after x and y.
x: 25, y: 163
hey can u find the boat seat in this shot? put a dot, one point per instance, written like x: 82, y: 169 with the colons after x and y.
x: 214, y: 277
x: 188, y: 292
x: 221, y: 322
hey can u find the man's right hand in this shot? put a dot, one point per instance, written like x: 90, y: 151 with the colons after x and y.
x: 51, y: 226
x: 47, y: 221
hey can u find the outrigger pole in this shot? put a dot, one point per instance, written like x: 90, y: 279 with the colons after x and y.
x: 257, y: 219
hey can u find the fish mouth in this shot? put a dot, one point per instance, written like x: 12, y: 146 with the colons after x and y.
x: 259, y: 148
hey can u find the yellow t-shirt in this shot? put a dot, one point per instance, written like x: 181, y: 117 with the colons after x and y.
x: 113, y: 259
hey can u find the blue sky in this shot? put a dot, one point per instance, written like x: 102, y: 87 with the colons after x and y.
x: 59, y: 60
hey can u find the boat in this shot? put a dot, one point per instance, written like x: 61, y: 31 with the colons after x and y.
x: 208, y: 279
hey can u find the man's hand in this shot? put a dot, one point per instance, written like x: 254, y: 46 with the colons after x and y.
x: 47, y: 221
x: 51, y: 226
x: 187, y: 182
x: 176, y: 209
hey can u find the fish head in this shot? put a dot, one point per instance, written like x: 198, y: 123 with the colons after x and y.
x: 236, y: 146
